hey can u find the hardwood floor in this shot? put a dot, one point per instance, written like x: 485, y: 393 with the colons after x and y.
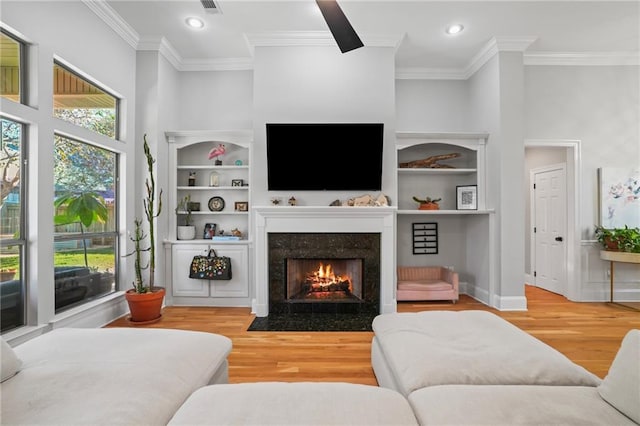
x: 588, y: 333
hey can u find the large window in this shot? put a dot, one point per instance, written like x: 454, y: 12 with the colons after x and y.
x: 82, y: 103
x: 85, y: 239
x: 11, y: 67
x: 12, y: 225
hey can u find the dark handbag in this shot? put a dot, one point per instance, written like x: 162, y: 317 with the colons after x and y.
x: 210, y: 267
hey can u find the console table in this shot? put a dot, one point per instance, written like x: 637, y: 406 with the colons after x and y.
x: 619, y: 256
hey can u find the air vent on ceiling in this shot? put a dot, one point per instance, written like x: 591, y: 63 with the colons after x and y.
x: 210, y: 6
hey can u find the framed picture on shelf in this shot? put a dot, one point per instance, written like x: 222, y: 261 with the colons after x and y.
x: 209, y: 231
x: 242, y: 206
x: 237, y: 182
x: 467, y: 197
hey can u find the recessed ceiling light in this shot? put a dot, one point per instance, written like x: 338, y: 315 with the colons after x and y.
x: 454, y: 29
x: 194, y: 22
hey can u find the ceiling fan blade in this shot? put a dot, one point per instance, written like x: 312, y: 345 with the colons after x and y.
x: 339, y: 25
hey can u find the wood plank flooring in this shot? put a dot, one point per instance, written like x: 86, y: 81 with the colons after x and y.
x: 588, y: 333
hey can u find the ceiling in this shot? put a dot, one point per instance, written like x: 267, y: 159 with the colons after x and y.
x: 548, y: 29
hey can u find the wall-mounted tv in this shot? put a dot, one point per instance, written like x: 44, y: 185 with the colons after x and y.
x: 324, y: 156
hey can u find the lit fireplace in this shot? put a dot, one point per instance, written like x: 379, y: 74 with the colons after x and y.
x: 324, y: 280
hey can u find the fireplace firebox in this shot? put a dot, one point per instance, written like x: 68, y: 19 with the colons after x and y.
x: 324, y: 280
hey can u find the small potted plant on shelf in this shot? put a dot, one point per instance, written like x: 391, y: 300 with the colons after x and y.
x: 188, y: 230
x: 427, y: 203
x: 145, y: 300
x: 619, y: 239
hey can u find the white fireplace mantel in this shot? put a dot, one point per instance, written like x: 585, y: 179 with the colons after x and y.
x: 301, y: 219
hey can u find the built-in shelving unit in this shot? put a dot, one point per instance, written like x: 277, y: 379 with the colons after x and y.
x: 195, y: 175
x: 462, y: 234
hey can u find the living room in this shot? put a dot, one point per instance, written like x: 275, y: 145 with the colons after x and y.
x: 519, y: 97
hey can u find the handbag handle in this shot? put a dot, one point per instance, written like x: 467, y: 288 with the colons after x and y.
x: 214, y: 253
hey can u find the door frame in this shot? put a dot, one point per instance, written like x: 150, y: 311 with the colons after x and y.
x: 532, y: 214
x: 574, y: 191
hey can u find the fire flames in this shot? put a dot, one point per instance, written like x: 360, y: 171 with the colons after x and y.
x: 324, y: 279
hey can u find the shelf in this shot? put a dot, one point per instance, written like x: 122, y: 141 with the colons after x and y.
x: 443, y: 171
x: 212, y: 167
x: 202, y: 241
x: 213, y: 188
x: 444, y: 212
x: 203, y: 212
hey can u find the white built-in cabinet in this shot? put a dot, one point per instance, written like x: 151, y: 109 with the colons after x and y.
x: 210, y: 183
x: 465, y: 239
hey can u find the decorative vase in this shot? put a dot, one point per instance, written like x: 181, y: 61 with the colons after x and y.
x: 186, y: 232
x: 429, y: 206
x: 145, y: 308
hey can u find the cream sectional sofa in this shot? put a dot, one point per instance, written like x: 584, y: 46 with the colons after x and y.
x: 108, y: 376
x: 472, y: 367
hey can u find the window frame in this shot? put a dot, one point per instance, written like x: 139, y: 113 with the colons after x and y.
x: 22, y: 64
x: 21, y: 242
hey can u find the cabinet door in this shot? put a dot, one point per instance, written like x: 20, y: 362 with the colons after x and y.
x: 181, y: 261
x: 238, y: 285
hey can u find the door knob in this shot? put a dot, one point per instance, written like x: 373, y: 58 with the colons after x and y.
x: 558, y: 238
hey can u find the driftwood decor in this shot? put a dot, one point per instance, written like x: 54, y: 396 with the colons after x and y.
x: 430, y: 162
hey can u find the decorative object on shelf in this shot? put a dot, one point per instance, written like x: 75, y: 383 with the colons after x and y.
x: 427, y: 203
x: 237, y: 182
x: 145, y: 301
x: 194, y: 206
x: 467, y: 197
x: 430, y: 162
x: 292, y: 201
x: 184, y: 208
x: 214, y: 179
x: 216, y: 153
x: 238, y: 162
x: 335, y: 203
x: 425, y: 238
x: 192, y: 179
x: 382, y: 201
x: 236, y: 232
x: 210, y: 267
x: 619, y: 196
x: 619, y: 239
x: 241, y: 206
x: 216, y: 204
x: 275, y: 201
x: 209, y: 231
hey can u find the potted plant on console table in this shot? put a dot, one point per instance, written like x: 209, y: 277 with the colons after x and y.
x: 145, y: 301
x: 427, y: 203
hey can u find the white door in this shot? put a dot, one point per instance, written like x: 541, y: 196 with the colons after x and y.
x: 550, y: 228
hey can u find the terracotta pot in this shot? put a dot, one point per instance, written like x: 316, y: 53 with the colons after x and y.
x: 145, y: 307
x: 429, y: 206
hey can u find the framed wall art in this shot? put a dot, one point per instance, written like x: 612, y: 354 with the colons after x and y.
x: 619, y: 197
x: 467, y: 197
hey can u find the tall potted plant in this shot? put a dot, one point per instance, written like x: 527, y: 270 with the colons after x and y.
x: 145, y: 301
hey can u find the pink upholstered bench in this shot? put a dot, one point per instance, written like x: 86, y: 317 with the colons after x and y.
x: 427, y: 283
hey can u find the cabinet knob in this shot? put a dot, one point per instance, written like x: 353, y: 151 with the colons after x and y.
x: 558, y: 238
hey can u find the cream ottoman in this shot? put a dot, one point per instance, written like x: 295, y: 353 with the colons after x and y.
x: 302, y: 403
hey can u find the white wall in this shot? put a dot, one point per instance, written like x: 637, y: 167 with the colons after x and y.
x: 320, y: 84
x: 68, y: 31
x: 221, y: 100
x: 433, y: 105
x: 600, y: 107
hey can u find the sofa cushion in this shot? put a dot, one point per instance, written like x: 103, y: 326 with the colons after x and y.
x: 431, y: 348
x: 110, y: 376
x: 513, y: 405
x: 621, y: 387
x: 10, y: 362
x: 300, y: 403
x: 432, y: 285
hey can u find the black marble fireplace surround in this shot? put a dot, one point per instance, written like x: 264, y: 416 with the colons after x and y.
x: 322, y: 315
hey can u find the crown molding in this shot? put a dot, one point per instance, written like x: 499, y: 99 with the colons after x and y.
x: 582, y: 58
x: 495, y: 45
x: 430, y: 74
x: 162, y: 45
x: 222, y: 64
x: 114, y: 21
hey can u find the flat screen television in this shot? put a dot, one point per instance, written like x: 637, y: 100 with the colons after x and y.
x: 324, y: 156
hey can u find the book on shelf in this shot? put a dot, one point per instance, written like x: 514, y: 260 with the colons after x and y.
x: 225, y: 238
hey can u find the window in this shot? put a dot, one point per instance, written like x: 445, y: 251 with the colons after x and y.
x: 85, y: 238
x: 12, y: 225
x: 82, y: 103
x: 11, y: 68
